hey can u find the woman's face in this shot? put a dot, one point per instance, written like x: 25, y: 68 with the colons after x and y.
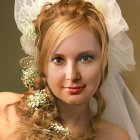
x: 74, y: 70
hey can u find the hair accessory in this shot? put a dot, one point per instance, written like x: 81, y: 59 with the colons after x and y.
x: 30, y: 72
x: 27, y: 62
x: 28, y: 76
x: 28, y: 38
x: 101, y: 5
x: 39, y: 99
x: 25, y: 13
x: 59, y: 129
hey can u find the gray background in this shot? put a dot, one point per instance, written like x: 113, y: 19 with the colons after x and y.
x: 11, y: 52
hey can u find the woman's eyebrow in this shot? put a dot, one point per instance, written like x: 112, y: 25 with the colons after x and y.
x: 57, y: 54
x: 90, y: 52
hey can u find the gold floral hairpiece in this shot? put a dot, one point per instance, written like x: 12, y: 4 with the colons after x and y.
x: 30, y: 71
x: 57, y: 129
x: 40, y: 99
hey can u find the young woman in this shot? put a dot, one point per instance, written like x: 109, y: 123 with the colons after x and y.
x: 70, y: 69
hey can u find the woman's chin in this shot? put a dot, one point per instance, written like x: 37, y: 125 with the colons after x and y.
x: 76, y: 101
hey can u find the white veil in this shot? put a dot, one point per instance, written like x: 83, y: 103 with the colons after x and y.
x: 122, y: 109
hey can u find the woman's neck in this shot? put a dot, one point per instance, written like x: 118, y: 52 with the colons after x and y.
x: 76, y: 117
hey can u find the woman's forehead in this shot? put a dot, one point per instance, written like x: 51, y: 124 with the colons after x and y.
x: 82, y: 41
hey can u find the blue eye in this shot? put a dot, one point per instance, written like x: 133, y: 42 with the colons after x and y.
x: 57, y: 60
x: 86, y: 58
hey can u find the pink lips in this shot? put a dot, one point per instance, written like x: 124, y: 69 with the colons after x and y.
x: 75, y: 89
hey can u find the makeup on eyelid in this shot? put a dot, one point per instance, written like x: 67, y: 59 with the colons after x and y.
x: 86, y: 56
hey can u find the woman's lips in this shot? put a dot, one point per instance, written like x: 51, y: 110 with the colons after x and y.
x: 75, y: 89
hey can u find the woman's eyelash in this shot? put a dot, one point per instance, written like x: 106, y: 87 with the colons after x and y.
x: 57, y: 60
x: 86, y: 58
x: 83, y: 58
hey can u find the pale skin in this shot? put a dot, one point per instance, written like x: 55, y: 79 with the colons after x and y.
x: 78, y: 76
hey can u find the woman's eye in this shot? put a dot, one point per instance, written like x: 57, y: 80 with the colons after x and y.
x: 86, y: 58
x: 58, y: 60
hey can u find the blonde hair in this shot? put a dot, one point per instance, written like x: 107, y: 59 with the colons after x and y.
x: 60, y: 20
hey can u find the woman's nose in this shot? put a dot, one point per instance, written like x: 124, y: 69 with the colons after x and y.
x: 72, y: 72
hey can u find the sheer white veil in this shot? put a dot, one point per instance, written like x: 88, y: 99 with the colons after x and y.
x: 122, y: 109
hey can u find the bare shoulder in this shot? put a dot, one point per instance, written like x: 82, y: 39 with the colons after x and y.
x: 8, y: 98
x: 111, y: 131
x: 8, y: 120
